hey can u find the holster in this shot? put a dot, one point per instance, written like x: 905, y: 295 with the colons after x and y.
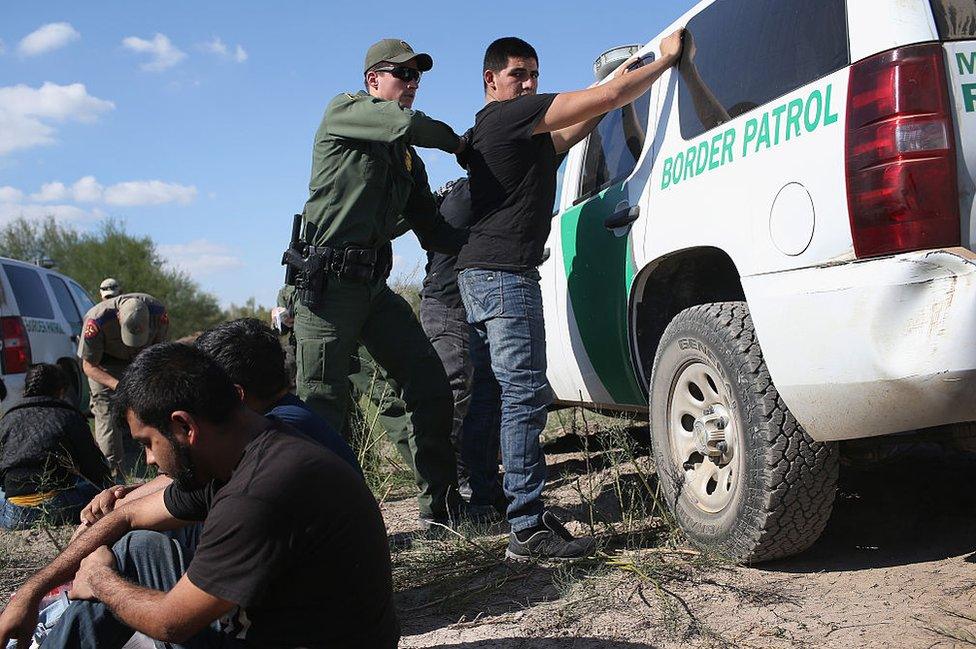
x: 321, y: 262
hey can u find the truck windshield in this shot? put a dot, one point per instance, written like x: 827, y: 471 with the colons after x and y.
x: 956, y: 19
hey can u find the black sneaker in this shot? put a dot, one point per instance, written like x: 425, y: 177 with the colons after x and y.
x: 549, y: 541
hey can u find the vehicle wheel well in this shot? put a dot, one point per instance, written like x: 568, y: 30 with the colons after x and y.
x: 673, y: 283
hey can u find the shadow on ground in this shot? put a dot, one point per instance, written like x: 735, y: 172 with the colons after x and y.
x: 917, y: 507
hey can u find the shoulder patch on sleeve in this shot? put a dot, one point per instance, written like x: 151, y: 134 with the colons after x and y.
x: 91, y: 329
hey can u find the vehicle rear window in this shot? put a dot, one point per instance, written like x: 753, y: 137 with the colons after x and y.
x: 614, y: 146
x: 745, y: 53
x: 68, y: 308
x: 29, y: 292
x: 84, y: 301
x: 956, y: 19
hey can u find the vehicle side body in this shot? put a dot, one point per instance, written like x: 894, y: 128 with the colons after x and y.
x: 756, y: 209
x: 41, y: 313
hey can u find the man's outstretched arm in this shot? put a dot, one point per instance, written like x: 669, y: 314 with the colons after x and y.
x: 19, y: 618
x: 572, y: 108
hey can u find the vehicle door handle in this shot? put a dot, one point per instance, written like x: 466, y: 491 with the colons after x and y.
x: 74, y: 338
x: 622, y: 218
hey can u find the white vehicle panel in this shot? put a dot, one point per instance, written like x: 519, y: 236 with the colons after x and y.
x: 904, y: 21
x: 961, y: 66
x: 872, y: 347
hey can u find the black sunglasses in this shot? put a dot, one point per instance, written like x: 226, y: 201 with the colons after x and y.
x: 402, y: 72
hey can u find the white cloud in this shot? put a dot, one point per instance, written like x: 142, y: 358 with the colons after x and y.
x: 129, y: 194
x: 87, y: 190
x: 164, y: 54
x: 10, y: 194
x: 47, y: 38
x: 149, y: 192
x: 215, y: 46
x: 219, y: 48
x: 25, y: 112
x: 50, y: 193
x: 61, y: 213
x: 200, y: 257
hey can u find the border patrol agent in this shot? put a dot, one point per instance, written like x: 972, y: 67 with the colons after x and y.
x: 367, y: 186
x: 115, y: 331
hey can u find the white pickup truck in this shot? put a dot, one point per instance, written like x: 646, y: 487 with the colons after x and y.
x: 772, y: 250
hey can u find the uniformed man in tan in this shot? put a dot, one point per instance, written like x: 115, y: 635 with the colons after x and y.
x: 115, y: 331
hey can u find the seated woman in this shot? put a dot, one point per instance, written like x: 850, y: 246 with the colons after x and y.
x: 50, y: 466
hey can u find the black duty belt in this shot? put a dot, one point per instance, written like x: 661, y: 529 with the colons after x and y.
x: 362, y: 264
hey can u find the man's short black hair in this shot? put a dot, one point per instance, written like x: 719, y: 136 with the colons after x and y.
x: 498, y: 53
x: 168, y: 377
x: 251, y: 354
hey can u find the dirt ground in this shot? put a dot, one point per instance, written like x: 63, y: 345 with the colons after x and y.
x: 893, y: 569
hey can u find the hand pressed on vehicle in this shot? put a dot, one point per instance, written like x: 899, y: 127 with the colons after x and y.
x: 671, y: 46
x: 101, y: 558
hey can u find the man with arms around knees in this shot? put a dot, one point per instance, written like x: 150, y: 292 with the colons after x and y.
x: 512, y: 157
x: 366, y: 179
x: 293, y: 551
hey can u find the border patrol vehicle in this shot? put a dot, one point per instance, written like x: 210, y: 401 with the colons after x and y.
x: 772, y: 251
x: 41, y: 315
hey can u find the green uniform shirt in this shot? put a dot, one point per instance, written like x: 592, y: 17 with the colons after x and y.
x: 101, y: 341
x: 366, y: 175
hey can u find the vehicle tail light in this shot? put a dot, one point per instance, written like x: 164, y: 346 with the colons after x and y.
x: 16, y: 345
x: 902, y: 189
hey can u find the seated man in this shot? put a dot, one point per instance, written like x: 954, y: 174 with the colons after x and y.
x: 251, y: 355
x: 293, y: 551
x: 49, y: 464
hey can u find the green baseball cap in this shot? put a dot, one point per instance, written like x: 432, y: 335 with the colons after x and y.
x: 395, y: 51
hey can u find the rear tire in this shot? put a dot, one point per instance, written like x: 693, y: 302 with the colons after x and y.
x: 741, y: 476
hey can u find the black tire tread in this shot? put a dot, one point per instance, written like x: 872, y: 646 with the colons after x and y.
x: 787, y: 511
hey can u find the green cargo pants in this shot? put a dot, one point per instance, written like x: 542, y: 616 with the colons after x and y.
x: 349, y: 312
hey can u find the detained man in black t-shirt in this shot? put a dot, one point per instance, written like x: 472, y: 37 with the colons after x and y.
x: 282, y: 561
x: 512, y: 157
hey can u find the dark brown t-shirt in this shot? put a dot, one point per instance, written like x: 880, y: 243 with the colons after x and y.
x: 513, y: 185
x: 296, y: 540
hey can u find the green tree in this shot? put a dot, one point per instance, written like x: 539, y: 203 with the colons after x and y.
x: 250, y: 309
x: 109, y: 251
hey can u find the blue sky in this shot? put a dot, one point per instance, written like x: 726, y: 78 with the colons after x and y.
x: 192, y: 122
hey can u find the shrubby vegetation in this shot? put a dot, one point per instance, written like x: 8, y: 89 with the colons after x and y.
x: 109, y: 251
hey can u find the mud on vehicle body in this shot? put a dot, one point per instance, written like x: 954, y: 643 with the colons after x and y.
x: 772, y: 251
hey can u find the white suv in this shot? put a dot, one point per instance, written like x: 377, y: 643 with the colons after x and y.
x: 41, y: 315
x: 772, y: 250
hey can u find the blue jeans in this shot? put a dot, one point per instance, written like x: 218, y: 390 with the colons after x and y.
x: 150, y: 559
x: 506, y: 310
x: 63, y: 508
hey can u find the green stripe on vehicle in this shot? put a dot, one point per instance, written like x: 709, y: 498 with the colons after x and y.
x: 600, y: 270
